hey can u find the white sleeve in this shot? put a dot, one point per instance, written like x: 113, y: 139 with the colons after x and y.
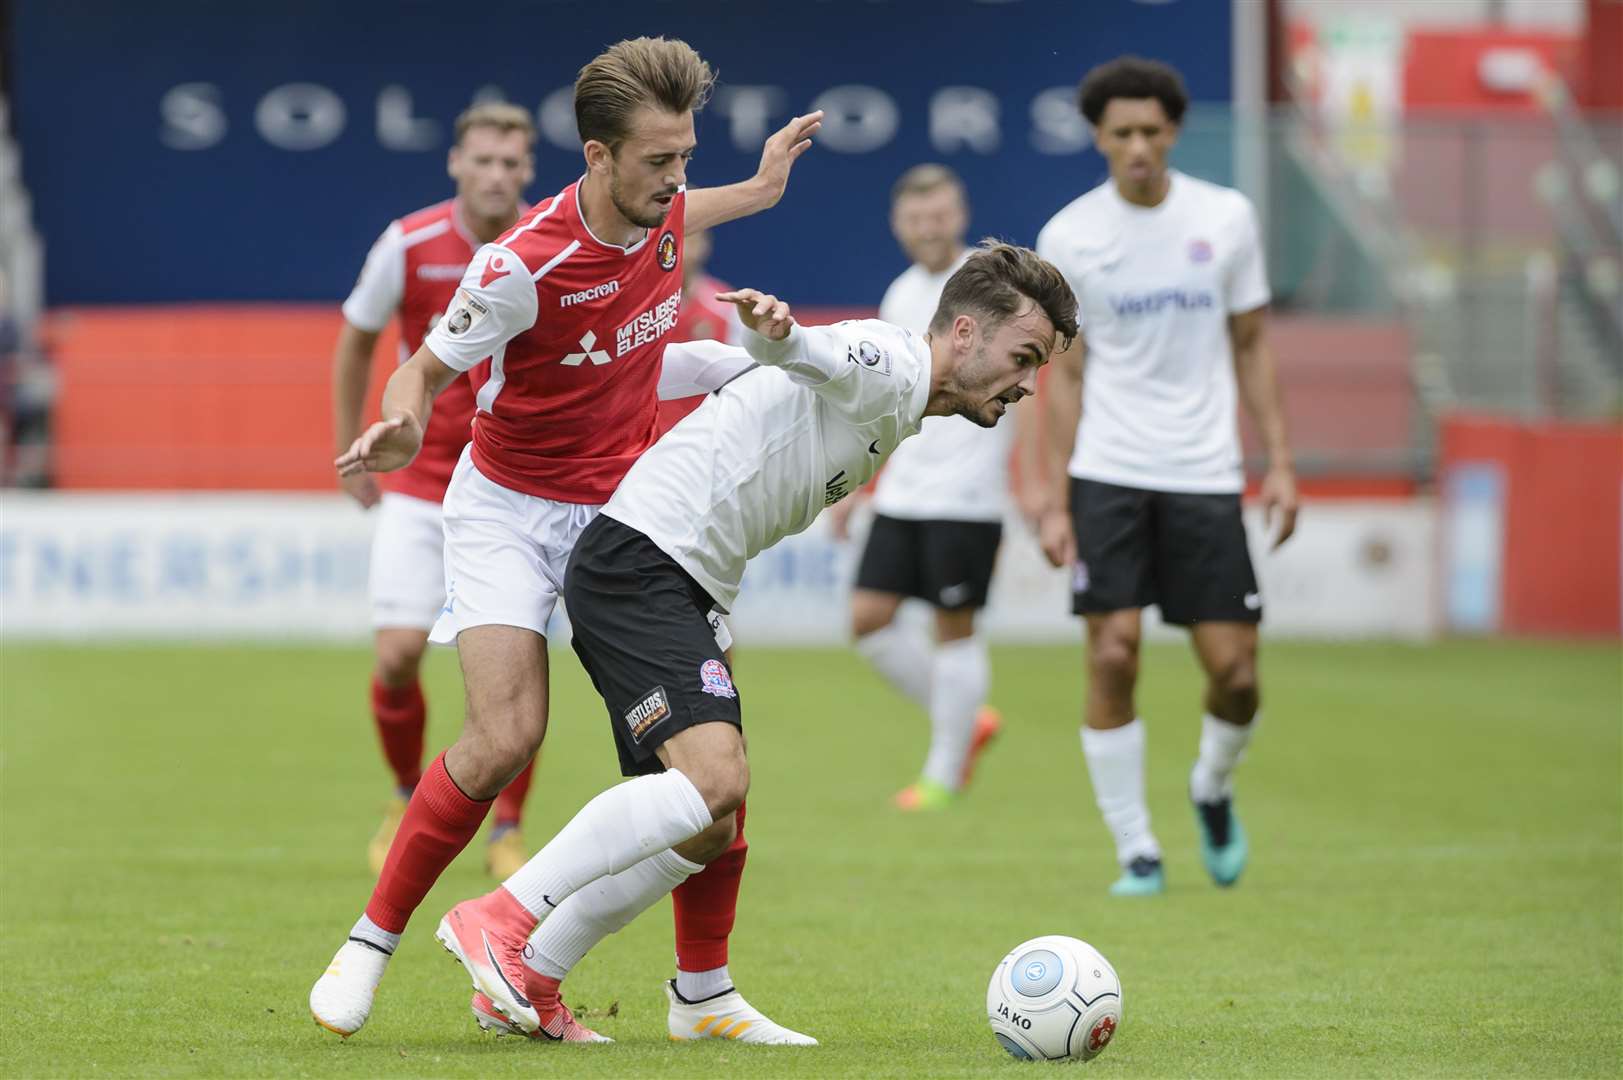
x: 851, y: 366
x: 698, y: 367
x: 1245, y: 282
x: 377, y: 292
x: 495, y: 304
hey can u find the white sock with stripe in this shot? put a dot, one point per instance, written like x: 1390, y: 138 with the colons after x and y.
x: 602, y: 908
x: 618, y: 829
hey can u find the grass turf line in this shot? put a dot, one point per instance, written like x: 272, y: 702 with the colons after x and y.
x: 1436, y: 888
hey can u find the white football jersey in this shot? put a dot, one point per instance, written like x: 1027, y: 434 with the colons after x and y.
x: 762, y: 457
x: 954, y: 470
x: 1155, y: 287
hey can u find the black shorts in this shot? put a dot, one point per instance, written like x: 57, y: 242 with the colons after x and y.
x: 946, y: 563
x: 643, y: 631
x: 1184, y: 552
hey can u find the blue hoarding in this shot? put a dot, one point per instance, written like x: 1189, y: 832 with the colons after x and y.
x: 192, y: 150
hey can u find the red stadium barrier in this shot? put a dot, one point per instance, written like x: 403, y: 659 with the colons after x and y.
x: 1561, y: 555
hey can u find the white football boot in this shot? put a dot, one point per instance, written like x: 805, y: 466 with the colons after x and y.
x: 341, y: 999
x: 726, y: 1016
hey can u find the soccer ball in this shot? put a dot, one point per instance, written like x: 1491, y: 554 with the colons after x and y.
x: 1054, y: 998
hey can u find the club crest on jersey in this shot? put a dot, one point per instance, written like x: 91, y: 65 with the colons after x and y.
x: 1200, y: 251
x: 642, y: 716
x: 870, y: 356
x: 714, y: 679
x: 665, y: 250
x: 464, y: 312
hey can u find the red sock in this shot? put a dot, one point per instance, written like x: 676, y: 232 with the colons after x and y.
x: 542, y: 990
x: 706, y: 905
x: 401, y: 714
x: 439, y: 822
x: 510, y: 803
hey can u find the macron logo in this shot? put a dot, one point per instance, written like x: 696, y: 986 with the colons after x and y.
x: 493, y: 270
x: 596, y: 292
x: 597, y: 356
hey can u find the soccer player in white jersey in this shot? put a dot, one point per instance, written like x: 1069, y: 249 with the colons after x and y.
x: 1144, y: 503
x: 757, y: 462
x: 573, y: 308
x: 938, y: 519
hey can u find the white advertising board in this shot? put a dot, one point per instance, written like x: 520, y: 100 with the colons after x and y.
x: 85, y: 566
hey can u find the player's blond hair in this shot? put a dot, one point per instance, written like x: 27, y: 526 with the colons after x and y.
x: 923, y: 179
x: 656, y: 72
x: 995, y: 283
x: 498, y: 115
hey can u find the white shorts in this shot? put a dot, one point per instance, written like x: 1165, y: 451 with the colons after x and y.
x: 407, y: 576
x: 505, y: 554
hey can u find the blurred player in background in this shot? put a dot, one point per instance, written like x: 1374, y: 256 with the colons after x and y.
x: 413, y: 271
x: 1144, y: 503
x: 756, y: 463
x: 574, y: 307
x: 938, y: 518
x: 700, y: 318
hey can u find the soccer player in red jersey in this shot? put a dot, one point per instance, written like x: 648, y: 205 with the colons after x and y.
x: 573, y: 308
x: 412, y: 272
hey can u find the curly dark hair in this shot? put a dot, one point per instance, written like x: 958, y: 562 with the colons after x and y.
x: 1135, y: 78
x: 994, y: 283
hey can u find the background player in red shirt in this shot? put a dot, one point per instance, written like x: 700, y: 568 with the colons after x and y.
x: 573, y: 307
x: 412, y: 271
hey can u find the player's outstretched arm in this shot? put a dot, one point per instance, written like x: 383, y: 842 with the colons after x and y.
x: 1254, y: 370
x: 408, y: 400
x: 713, y: 206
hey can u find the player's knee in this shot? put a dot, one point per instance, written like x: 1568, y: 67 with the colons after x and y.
x: 871, y: 612
x: 723, y: 782
x: 398, y: 660
x: 1113, y: 659
x: 1235, y: 684
x: 712, y: 843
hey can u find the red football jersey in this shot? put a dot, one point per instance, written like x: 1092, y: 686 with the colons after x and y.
x: 574, y: 328
x: 413, y: 271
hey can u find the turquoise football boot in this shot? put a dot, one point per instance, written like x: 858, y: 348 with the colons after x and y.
x: 1223, y: 846
x: 1142, y: 877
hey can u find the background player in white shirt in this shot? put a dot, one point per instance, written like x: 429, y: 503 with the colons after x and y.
x: 1172, y: 297
x: 757, y: 462
x: 938, y: 518
x: 412, y: 272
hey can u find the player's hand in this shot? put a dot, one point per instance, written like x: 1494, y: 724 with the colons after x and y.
x: 839, y: 515
x: 1057, y: 537
x: 761, y: 312
x: 1279, y: 497
x: 782, y: 150
x: 385, y: 446
x: 362, y: 488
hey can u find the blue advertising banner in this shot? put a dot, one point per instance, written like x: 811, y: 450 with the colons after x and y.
x: 193, y: 150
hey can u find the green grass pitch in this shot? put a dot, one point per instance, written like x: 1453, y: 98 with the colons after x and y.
x: 1436, y: 886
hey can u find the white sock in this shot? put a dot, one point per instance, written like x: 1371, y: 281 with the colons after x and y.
x: 902, y: 655
x: 698, y: 985
x: 1222, y: 747
x: 960, y: 675
x: 370, y: 932
x: 618, y: 829
x: 602, y: 908
x: 1116, y: 764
